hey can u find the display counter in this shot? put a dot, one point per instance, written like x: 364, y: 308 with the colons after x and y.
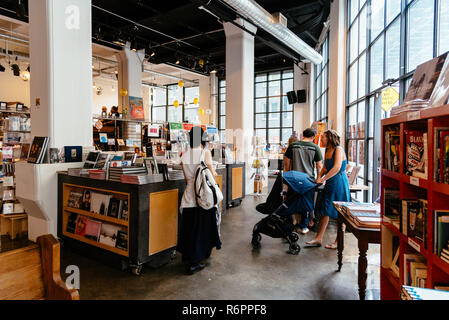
x: 151, y: 227
x: 235, y: 184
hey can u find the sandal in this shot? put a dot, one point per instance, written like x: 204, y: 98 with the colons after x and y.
x: 313, y: 244
x: 332, y: 246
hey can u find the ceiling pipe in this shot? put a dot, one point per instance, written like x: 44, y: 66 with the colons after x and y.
x: 169, y: 76
x: 264, y: 20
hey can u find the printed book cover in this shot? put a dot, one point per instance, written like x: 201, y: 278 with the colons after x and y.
x: 81, y: 226
x: 122, y: 240
x: 108, y: 234
x: 75, y: 199
x: 415, y: 152
x: 93, y: 229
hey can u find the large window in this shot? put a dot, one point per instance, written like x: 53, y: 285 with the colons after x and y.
x: 322, y: 84
x: 164, y: 100
x: 222, y: 109
x: 387, y: 40
x: 273, y: 115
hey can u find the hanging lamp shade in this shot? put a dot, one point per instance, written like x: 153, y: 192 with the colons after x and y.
x: 181, y: 83
x: 201, y: 110
x: 195, y: 101
x: 176, y: 103
x: 123, y: 92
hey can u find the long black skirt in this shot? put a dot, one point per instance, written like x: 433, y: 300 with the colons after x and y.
x: 199, y: 234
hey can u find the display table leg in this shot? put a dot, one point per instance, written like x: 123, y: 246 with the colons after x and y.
x: 363, y: 264
x: 340, y: 242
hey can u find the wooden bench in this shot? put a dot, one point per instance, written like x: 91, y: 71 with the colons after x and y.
x: 33, y: 273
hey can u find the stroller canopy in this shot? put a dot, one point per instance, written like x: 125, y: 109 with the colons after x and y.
x: 300, y: 182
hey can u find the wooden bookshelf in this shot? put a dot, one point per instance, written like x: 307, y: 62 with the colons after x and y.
x: 97, y: 216
x: 436, y: 194
x: 67, y: 188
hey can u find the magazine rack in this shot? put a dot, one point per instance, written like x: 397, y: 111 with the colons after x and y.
x: 436, y: 194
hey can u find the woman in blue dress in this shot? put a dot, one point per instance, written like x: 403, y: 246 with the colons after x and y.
x: 336, y: 187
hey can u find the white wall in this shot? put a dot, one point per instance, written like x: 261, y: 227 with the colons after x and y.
x: 108, y: 98
x: 13, y: 88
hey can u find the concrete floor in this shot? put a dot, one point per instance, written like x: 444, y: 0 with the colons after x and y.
x: 236, y: 272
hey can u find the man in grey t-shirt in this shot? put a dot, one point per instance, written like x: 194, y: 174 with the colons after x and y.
x: 304, y: 156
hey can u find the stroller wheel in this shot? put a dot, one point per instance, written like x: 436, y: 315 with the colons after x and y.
x: 294, y: 237
x: 256, y: 241
x: 294, y: 248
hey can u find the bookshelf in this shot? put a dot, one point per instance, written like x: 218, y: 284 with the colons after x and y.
x: 411, y: 188
x: 68, y: 210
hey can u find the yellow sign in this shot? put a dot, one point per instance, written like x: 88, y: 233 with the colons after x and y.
x: 389, y: 98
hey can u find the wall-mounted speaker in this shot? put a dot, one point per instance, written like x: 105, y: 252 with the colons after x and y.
x: 292, y: 99
x: 301, y: 96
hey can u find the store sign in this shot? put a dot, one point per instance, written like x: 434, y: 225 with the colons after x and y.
x: 187, y: 126
x: 212, y: 130
x: 153, y: 131
x: 390, y: 97
x: 175, y: 126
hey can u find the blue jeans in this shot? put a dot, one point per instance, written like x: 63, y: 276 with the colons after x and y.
x: 304, y: 220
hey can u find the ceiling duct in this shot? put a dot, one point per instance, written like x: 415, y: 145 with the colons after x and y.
x: 264, y: 20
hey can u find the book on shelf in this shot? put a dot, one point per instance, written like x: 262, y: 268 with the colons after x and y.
x: 81, y: 226
x: 414, y: 261
x: 416, y: 153
x: 115, y: 208
x: 102, y: 161
x: 93, y: 229
x: 392, y: 147
x: 122, y: 240
x: 71, y: 222
x: 91, y: 160
x: 409, y: 207
x: 73, y: 154
x: 437, y: 152
x: 108, y: 234
x: 392, y: 207
x: 75, y: 199
x: 125, y: 210
x: 38, y: 150
x: 421, y: 222
x: 396, y: 253
x: 441, y: 229
x: 99, y: 203
x: 444, y: 157
x: 85, y: 203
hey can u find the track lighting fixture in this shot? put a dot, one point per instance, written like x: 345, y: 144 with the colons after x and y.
x: 15, y: 68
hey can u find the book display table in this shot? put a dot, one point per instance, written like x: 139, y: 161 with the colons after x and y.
x: 364, y: 236
x: 141, y: 225
x: 236, y: 186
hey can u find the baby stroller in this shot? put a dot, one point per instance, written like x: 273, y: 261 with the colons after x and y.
x: 278, y: 224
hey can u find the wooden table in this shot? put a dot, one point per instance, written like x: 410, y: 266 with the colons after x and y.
x: 364, y: 237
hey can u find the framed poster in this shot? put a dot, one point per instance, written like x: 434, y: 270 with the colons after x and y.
x: 136, y: 108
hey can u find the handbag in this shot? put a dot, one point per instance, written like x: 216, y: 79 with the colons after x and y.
x: 207, y: 191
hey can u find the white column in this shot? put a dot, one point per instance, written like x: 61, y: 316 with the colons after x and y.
x: 337, y: 66
x: 61, y: 100
x: 303, y: 112
x: 205, y: 101
x: 240, y: 92
x: 130, y: 74
x: 61, y: 63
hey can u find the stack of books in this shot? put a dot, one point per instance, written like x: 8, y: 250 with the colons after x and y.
x: 413, y: 293
x: 414, y: 219
x: 115, y: 174
x: 97, y: 174
x: 364, y: 215
x: 142, y: 178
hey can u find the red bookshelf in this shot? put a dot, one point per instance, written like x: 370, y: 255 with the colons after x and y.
x: 437, y: 195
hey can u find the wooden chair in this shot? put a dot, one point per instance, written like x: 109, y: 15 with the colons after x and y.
x: 33, y: 273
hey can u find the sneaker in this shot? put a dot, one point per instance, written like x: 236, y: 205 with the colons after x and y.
x: 304, y: 231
